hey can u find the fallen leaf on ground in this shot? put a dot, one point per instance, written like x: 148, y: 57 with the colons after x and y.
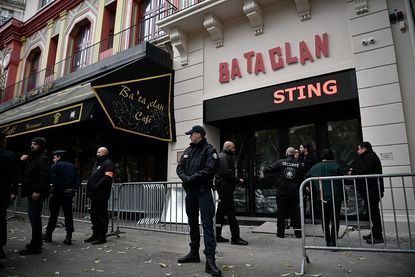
x: 44, y: 260
x: 316, y: 275
x: 227, y: 267
x: 100, y: 270
x: 57, y: 273
x: 163, y: 265
x: 97, y: 261
x: 121, y: 252
x: 147, y: 262
x: 248, y: 265
x: 350, y: 271
x: 285, y: 274
x: 361, y: 258
x: 168, y: 274
x: 179, y: 264
x: 108, y: 251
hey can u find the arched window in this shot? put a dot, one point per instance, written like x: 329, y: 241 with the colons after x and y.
x: 144, y: 20
x: 32, y: 69
x: 80, y: 43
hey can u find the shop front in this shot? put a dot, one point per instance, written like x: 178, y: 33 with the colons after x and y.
x: 127, y: 109
x: 323, y: 110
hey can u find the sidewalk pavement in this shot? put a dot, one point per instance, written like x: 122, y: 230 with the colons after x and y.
x: 149, y: 253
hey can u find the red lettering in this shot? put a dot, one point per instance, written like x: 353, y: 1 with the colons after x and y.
x: 235, y: 69
x: 301, y: 95
x: 322, y: 45
x: 330, y: 87
x: 288, y: 58
x: 259, y: 64
x: 248, y: 56
x: 290, y: 93
x: 304, y: 52
x: 223, y: 72
x: 313, y: 89
x: 274, y: 64
x: 279, y: 96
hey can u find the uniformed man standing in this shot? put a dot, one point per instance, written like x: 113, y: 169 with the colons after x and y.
x: 65, y: 180
x: 226, y: 182
x: 196, y: 169
x: 289, y: 174
x: 99, y: 190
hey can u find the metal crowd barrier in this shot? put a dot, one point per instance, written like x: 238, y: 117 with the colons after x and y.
x: 157, y: 206
x: 397, y: 214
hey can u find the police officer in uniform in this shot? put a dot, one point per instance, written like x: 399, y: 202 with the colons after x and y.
x: 289, y: 173
x: 98, y: 189
x: 65, y: 179
x: 226, y: 181
x: 196, y: 169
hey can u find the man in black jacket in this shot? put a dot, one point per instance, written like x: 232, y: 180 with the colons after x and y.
x: 99, y: 190
x: 35, y: 185
x: 368, y: 162
x: 8, y: 189
x: 196, y: 169
x: 65, y: 180
x: 225, y: 181
x: 289, y: 173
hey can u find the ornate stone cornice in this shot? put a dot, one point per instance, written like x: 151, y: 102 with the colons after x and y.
x: 303, y: 9
x: 214, y: 28
x: 179, y: 41
x: 254, y: 13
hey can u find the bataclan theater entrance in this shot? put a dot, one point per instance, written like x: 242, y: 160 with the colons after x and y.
x: 323, y: 110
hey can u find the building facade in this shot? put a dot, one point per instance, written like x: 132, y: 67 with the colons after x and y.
x: 273, y: 74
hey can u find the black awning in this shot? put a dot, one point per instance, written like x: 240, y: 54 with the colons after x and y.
x: 138, y: 98
x: 330, y: 88
x: 61, y: 108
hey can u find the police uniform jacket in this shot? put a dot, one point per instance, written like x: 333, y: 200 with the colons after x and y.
x: 289, y: 173
x: 226, y: 179
x: 8, y: 176
x: 36, y: 174
x: 197, y: 165
x: 99, y: 184
x: 64, y: 176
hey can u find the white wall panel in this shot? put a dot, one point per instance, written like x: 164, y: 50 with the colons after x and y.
x: 380, y: 115
x: 377, y: 76
x: 382, y: 38
x: 379, y: 95
x: 189, y: 99
x: 190, y: 85
x: 189, y: 113
x: 369, y: 23
x: 374, y: 7
x: 189, y: 72
x: 386, y: 134
x: 400, y: 155
x: 375, y: 58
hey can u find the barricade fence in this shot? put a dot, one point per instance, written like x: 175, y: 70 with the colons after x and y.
x: 156, y: 206
x: 372, y: 213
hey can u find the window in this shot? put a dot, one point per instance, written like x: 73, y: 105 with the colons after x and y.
x: 144, y: 20
x: 32, y: 68
x: 80, y: 39
x: 43, y: 3
x: 108, y: 26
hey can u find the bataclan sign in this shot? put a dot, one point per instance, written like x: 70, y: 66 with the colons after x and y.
x: 278, y: 57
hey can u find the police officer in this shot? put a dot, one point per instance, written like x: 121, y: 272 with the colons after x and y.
x: 65, y: 179
x: 226, y: 181
x: 289, y: 173
x: 35, y: 186
x: 99, y: 190
x: 8, y: 182
x: 196, y: 169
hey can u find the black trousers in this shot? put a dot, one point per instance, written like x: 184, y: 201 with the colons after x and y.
x: 329, y: 221
x: 226, y: 206
x: 4, y: 203
x: 201, y: 199
x: 57, y: 200
x: 375, y: 216
x: 288, y: 206
x: 99, y: 217
x: 34, y: 210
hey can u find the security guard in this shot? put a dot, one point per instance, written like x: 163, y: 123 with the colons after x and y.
x: 289, y: 173
x: 196, y: 169
x: 225, y: 181
x: 98, y: 189
x: 65, y: 179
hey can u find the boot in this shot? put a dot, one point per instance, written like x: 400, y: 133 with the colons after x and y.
x: 211, y: 267
x: 2, y: 254
x: 47, y: 237
x: 91, y: 238
x: 192, y: 257
x: 99, y: 240
x: 30, y: 250
x: 68, y: 239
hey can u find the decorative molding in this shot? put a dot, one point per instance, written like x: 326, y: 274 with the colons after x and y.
x: 63, y: 15
x: 360, y: 7
x: 214, y: 28
x: 303, y: 9
x: 254, y: 13
x: 50, y: 23
x: 179, y: 41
